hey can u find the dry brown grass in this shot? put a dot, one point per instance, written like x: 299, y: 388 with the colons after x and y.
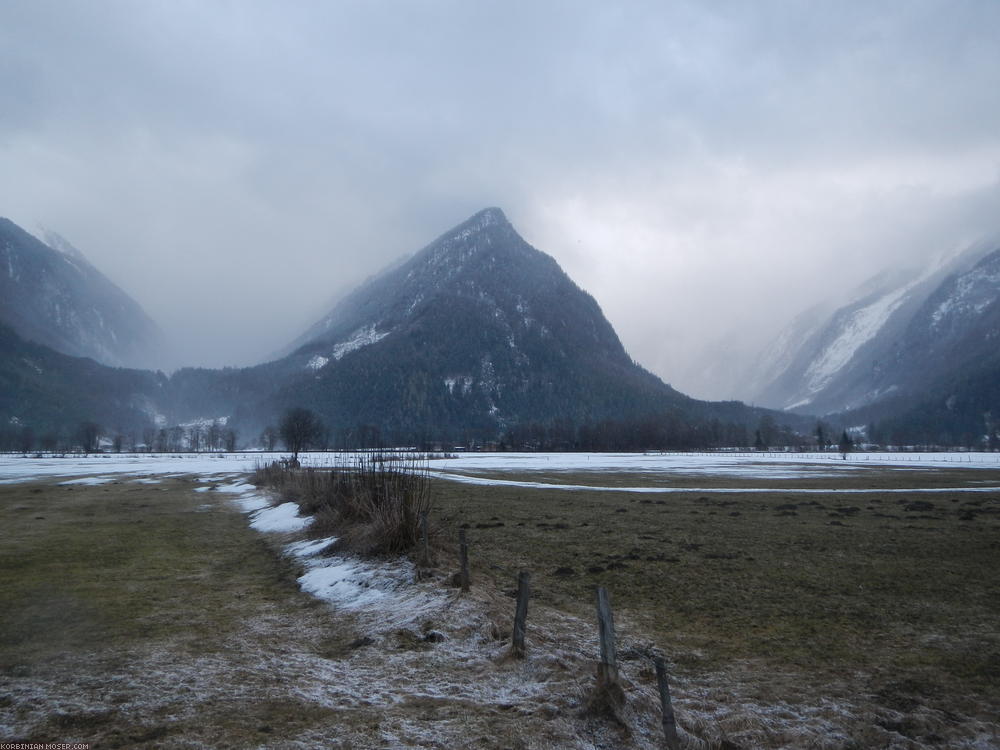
x: 373, y: 506
x: 885, y: 604
x: 136, y: 615
x: 152, y: 616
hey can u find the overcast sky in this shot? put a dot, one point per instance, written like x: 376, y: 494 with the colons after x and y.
x: 706, y: 170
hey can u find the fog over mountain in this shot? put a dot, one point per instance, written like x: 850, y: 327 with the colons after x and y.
x: 707, y: 173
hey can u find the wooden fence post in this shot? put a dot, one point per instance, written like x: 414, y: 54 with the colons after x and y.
x: 607, y: 670
x: 521, y: 614
x: 669, y: 722
x: 463, y: 557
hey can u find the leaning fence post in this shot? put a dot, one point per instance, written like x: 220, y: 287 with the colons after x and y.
x: 423, y: 534
x: 463, y: 557
x: 521, y: 614
x: 669, y: 722
x: 607, y: 670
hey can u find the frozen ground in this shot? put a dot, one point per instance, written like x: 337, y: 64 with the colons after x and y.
x: 433, y: 664
x: 403, y: 613
x: 435, y: 661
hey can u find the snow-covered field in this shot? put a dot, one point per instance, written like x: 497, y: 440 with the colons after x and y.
x: 466, y: 466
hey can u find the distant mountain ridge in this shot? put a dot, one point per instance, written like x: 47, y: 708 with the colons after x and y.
x: 50, y: 294
x: 477, y: 338
x: 845, y: 358
x: 909, y: 344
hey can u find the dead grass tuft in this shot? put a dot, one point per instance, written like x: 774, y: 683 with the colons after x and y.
x: 373, y: 506
x: 606, y: 699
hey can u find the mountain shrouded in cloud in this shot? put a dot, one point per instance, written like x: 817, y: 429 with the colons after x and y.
x: 914, y: 355
x: 705, y: 171
x: 477, y: 338
x: 477, y: 330
x: 50, y: 294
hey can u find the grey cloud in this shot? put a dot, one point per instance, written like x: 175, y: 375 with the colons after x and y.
x: 695, y: 166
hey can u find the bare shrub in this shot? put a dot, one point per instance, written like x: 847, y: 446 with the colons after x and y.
x: 374, y: 506
x: 273, y: 474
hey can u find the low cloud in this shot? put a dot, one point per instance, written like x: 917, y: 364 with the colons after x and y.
x: 705, y: 172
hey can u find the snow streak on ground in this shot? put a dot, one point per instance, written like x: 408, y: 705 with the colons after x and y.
x: 284, y: 517
x: 220, y: 466
x: 488, y: 481
x: 427, y: 644
x: 90, y: 481
x: 430, y: 647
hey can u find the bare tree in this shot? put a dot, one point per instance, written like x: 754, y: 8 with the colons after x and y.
x: 26, y: 439
x: 90, y: 436
x: 299, y: 429
x: 176, y: 438
x: 821, y: 438
x: 269, y: 437
x: 846, y: 444
x: 214, y: 435
x: 195, y: 435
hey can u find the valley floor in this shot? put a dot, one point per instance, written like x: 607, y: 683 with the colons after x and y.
x: 141, y: 610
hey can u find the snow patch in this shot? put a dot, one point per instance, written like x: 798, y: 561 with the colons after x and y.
x: 284, y: 517
x: 973, y: 293
x: 212, y: 467
x: 464, y: 383
x: 317, y: 362
x: 252, y: 503
x: 236, y: 488
x: 860, y: 327
x: 89, y: 480
x: 205, y: 422
x: 492, y: 481
x: 416, y: 301
x: 349, y: 584
x: 362, y: 337
x: 309, y: 547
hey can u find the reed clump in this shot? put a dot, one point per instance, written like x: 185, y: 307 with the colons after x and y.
x: 372, y: 504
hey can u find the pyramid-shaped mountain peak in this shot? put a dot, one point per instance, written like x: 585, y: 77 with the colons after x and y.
x: 489, y: 217
x: 482, y: 228
x: 482, y: 258
x: 476, y: 328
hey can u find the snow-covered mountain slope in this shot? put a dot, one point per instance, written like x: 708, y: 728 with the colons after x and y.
x: 476, y: 328
x: 900, y: 331
x: 50, y: 294
x: 482, y: 261
x: 476, y: 336
x: 481, y: 268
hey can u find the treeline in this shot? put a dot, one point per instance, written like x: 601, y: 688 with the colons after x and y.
x: 90, y: 437
x: 959, y: 412
x: 670, y: 431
